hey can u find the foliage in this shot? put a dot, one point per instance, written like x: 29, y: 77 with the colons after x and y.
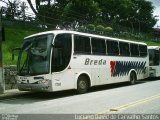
x: 108, y: 29
x: 81, y: 29
x: 14, y: 38
x: 70, y: 14
x: 91, y: 27
x: 14, y: 10
x: 133, y: 14
x: 136, y: 14
x: 100, y: 28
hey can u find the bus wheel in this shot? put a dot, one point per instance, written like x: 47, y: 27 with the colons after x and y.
x: 133, y: 78
x: 82, y: 85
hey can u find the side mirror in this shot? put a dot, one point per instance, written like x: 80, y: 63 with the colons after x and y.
x: 13, y: 50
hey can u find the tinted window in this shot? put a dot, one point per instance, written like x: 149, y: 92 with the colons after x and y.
x: 98, y: 46
x: 124, y: 49
x: 134, y: 49
x: 154, y: 57
x: 82, y: 44
x: 143, y: 50
x: 112, y: 48
x: 61, y: 52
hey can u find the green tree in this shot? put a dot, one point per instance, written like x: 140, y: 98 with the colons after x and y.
x: 81, y: 12
x: 49, y: 12
x: 12, y: 9
x: 23, y: 9
x: 144, y: 19
x: 134, y: 14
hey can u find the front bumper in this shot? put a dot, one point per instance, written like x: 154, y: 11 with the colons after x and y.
x: 35, y: 87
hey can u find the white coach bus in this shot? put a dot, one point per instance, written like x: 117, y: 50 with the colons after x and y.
x: 154, y: 61
x: 61, y: 60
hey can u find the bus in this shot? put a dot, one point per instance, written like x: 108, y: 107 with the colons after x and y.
x: 62, y: 60
x: 154, y: 61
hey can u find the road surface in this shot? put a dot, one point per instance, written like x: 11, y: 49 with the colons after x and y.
x: 142, y: 98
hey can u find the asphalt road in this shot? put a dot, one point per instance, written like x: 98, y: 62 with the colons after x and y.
x: 142, y: 98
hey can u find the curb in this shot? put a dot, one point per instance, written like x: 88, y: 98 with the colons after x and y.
x: 12, y: 94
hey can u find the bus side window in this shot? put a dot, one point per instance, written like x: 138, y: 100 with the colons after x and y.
x: 143, y: 50
x: 156, y: 59
x: 134, y: 49
x: 112, y: 48
x: 61, y: 52
x: 124, y: 49
x: 82, y: 45
x: 98, y: 46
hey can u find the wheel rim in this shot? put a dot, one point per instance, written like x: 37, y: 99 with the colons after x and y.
x: 82, y: 85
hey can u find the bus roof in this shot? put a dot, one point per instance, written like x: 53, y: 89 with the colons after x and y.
x: 84, y: 34
x: 154, y: 47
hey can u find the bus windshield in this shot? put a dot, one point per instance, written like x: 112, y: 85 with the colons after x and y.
x: 34, y: 57
x: 153, y: 57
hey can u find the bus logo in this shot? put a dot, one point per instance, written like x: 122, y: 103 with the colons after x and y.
x: 95, y: 62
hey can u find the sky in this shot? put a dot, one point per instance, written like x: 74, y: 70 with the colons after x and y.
x: 156, y: 12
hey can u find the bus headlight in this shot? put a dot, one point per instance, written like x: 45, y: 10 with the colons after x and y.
x: 18, y: 81
x: 43, y: 81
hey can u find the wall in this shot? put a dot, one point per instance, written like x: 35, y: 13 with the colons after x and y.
x: 10, y: 72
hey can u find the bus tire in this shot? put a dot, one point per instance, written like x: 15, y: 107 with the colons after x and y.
x: 82, y: 84
x: 133, y: 78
